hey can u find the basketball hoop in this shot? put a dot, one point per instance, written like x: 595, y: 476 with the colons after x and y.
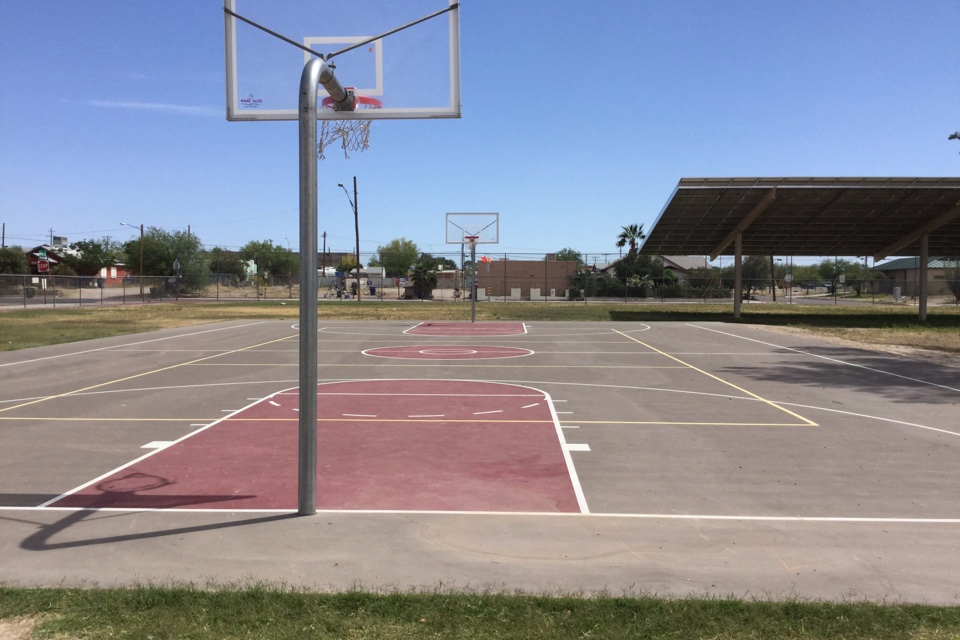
x: 354, y: 135
x: 471, y: 239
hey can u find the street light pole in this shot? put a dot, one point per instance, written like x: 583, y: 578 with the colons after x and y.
x: 356, y: 225
x: 141, y: 256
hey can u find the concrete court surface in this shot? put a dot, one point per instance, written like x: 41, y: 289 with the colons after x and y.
x: 713, y: 459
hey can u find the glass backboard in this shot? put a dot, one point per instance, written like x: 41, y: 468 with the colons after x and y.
x: 411, y: 73
x: 476, y: 228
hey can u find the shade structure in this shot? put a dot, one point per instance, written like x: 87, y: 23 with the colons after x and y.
x: 877, y: 217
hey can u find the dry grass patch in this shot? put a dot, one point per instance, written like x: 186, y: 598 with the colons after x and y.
x: 18, y: 628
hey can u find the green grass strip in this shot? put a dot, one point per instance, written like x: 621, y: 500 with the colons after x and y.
x: 275, y: 613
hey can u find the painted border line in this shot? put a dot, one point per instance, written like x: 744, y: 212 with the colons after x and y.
x: 230, y: 513
x: 807, y: 422
x: 148, y: 455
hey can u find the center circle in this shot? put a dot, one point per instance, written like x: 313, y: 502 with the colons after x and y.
x: 451, y: 352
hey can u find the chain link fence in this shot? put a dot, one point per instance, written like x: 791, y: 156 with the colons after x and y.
x: 510, y: 281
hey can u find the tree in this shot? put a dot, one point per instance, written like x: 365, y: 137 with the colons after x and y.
x: 347, y: 264
x: 270, y: 258
x: 805, y: 275
x: 631, y: 234
x: 424, y: 276
x: 568, y: 255
x: 639, y: 282
x: 856, y: 275
x: 633, y: 264
x: 226, y: 263
x: 161, y: 249
x: 754, y: 272
x: 831, y: 269
x: 397, y: 256
x: 446, y: 264
x: 440, y: 262
x: 93, y: 255
x: 13, y: 260
x: 705, y: 280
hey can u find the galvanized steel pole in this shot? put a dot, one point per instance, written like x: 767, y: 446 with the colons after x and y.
x: 307, y: 453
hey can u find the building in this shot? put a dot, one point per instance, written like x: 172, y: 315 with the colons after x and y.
x: 525, y: 279
x: 904, y: 273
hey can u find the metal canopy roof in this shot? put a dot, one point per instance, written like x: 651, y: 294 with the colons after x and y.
x: 875, y: 217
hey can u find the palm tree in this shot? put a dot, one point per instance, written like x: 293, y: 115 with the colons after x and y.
x: 424, y: 276
x: 631, y: 234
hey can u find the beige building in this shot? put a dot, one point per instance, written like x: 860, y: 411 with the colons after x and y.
x: 525, y: 279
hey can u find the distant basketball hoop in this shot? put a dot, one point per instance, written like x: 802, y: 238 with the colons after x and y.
x: 353, y: 135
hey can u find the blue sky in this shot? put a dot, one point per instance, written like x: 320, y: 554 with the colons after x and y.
x: 578, y: 118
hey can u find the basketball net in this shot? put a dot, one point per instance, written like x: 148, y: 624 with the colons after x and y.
x: 351, y: 135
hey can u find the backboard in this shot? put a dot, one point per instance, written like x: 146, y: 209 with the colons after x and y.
x: 413, y: 72
x: 480, y: 228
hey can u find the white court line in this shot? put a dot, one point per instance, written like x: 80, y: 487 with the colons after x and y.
x: 409, y: 329
x: 702, y: 393
x: 571, y: 470
x: 143, y: 457
x: 539, y: 393
x: 429, y: 395
x: 157, y: 444
x: 173, y: 387
x: 828, y: 358
x: 231, y: 513
x: 877, y: 418
x: 130, y: 344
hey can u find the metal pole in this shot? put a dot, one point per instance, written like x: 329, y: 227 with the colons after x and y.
x: 356, y: 224
x: 307, y: 452
x: 141, y: 263
x: 738, y: 276
x: 473, y: 296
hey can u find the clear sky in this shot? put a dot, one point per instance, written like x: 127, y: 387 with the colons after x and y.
x: 578, y: 118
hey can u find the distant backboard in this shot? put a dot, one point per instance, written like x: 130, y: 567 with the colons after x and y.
x: 481, y: 228
x: 413, y: 73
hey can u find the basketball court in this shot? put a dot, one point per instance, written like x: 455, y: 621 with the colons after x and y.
x: 680, y: 458
x: 669, y: 458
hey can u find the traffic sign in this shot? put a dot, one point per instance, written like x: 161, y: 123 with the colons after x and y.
x: 43, y: 265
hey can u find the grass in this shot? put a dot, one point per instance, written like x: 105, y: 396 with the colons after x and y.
x: 259, y: 611
x: 866, y: 325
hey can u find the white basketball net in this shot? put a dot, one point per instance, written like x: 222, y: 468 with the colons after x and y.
x: 351, y: 135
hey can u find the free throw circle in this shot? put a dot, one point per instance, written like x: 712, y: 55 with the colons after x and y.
x: 451, y: 352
